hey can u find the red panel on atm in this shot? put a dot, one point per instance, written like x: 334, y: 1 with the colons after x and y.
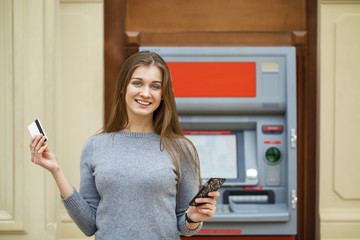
x: 213, y: 79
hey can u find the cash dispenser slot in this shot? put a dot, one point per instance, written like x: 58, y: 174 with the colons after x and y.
x: 251, y: 206
x: 249, y: 197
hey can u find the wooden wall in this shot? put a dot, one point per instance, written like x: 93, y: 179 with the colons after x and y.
x: 130, y: 24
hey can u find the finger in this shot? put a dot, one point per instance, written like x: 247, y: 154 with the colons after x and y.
x: 207, y: 212
x: 214, y: 195
x: 42, y: 149
x: 40, y: 143
x: 205, y: 201
x: 208, y: 209
x: 31, y: 141
x: 210, y: 206
x: 35, y: 142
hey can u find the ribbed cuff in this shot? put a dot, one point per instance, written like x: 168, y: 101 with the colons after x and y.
x: 72, y: 200
x: 184, y: 230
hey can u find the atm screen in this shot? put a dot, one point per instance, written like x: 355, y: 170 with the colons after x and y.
x: 217, y: 153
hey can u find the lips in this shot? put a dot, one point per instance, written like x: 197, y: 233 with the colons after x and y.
x: 143, y: 102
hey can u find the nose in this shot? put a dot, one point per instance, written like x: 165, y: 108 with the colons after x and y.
x: 145, y: 92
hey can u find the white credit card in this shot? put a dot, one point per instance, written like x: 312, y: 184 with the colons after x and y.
x: 35, y: 128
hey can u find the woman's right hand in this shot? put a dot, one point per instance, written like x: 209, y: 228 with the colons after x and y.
x: 42, y: 155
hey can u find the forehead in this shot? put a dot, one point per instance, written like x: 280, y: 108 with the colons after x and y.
x: 151, y: 72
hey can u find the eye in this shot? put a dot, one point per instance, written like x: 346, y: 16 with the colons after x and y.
x: 156, y: 87
x: 136, y: 83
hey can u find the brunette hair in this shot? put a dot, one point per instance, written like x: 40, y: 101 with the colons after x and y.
x: 165, y: 119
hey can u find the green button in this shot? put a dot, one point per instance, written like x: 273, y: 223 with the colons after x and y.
x: 273, y: 154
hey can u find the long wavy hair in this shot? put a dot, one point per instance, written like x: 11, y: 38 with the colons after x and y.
x: 165, y: 118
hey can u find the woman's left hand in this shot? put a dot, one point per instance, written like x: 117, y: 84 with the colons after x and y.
x: 204, y: 211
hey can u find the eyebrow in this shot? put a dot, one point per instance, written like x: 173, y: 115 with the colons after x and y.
x: 139, y: 78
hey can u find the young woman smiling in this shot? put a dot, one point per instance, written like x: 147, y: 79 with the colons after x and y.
x: 140, y: 173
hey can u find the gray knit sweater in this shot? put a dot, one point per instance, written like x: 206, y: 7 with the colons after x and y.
x: 128, y: 190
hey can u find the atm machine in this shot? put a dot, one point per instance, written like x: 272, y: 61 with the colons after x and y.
x: 238, y: 106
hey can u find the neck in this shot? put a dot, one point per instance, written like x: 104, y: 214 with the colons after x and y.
x: 144, y: 125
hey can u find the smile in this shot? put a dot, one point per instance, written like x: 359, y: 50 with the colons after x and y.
x: 142, y: 102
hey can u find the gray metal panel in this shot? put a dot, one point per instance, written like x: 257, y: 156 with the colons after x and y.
x: 234, y: 106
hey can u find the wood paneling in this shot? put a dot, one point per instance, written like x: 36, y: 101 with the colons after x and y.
x: 209, y: 38
x: 308, y: 217
x: 79, y: 92
x: 347, y: 103
x: 7, y: 187
x: 11, y: 162
x: 339, y: 105
x: 215, y: 15
x: 213, y: 23
x: 114, y: 32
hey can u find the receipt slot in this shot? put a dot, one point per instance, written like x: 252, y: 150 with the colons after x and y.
x: 238, y: 106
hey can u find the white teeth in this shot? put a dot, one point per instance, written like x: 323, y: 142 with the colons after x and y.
x: 141, y: 102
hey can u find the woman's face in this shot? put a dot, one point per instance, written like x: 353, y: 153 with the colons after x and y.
x: 144, y: 92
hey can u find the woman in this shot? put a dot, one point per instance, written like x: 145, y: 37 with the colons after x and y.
x: 139, y: 174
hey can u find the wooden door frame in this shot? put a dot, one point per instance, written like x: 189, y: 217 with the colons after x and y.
x: 116, y: 51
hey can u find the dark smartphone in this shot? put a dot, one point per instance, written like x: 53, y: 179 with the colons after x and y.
x: 212, y: 185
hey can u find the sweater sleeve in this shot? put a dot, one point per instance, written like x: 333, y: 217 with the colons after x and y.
x: 188, y: 187
x: 82, y: 206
